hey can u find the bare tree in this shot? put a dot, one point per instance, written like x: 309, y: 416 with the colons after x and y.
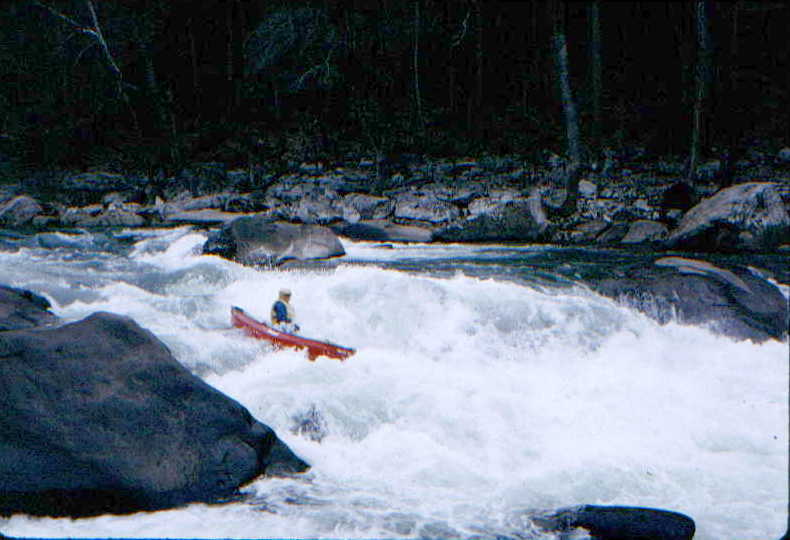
x: 95, y: 33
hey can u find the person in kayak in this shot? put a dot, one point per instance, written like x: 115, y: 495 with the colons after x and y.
x: 283, y: 313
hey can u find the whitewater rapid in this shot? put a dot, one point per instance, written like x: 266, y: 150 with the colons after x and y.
x: 470, y: 404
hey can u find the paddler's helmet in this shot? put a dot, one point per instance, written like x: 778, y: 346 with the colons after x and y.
x: 285, y: 292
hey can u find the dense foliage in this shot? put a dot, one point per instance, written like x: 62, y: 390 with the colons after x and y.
x: 238, y: 81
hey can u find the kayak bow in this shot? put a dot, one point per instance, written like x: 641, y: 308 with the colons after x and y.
x: 259, y: 330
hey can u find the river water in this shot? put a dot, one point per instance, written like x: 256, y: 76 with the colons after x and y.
x: 487, y: 387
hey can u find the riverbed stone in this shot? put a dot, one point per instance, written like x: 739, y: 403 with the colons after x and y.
x: 98, y: 417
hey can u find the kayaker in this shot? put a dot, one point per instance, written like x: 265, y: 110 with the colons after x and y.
x: 283, y: 313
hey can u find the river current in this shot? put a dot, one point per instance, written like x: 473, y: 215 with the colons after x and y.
x: 487, y: 387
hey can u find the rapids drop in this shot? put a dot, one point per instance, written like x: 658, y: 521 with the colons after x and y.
x: 476, y: 398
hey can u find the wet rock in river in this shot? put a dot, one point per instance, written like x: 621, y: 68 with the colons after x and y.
x: 97, y: 416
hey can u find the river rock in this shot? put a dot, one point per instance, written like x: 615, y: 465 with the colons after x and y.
x: 97, y: 416
x: 21, y: 309
x: 90, y: 187
x: 19, y: 211
x: 731, y: 301
x: 621, y: 523
x: 511, y: 221
x: 745, y: 216
x: 382, y: 230
x: 644, y: 230
x: 258, y: 240
x: 426, y: 207
x: 369, y: 206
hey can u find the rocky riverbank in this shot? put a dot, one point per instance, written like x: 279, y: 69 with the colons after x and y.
x: 629, y: 200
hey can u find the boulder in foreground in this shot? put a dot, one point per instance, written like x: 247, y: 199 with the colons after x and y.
x: 97, y: 416
x: 622, y: 523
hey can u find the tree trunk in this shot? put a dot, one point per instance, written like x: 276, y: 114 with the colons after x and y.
x: 417, y: 98
x: 596, y: 72
x: 196, y: 89
x: 700, y: 89
x: 479, y: 54
x: 573, y: 173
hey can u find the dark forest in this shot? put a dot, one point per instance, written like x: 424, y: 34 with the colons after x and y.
x: 150, y: 85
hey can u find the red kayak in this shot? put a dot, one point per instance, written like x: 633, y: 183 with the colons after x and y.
x: 259, y: 330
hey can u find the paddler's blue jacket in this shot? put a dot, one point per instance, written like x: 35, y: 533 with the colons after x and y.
x: 280, y: 313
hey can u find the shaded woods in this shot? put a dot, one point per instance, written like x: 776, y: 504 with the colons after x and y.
x: 150, y: 85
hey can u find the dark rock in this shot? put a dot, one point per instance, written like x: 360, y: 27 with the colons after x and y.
x: 734, y: 301
x: 511, y: 221
x: 203, y: 178
x: 742, y: 217
x: 19, y: 211
x: 678, y: 196
x: 257, y: 240
x: 90, y: 187
x: 613, y: 234
x: 97, y: 416
x: 382, y: 230
x: 621, y: 523
x: 22, y: 309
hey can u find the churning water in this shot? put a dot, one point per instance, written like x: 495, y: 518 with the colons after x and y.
x: 475, y: 400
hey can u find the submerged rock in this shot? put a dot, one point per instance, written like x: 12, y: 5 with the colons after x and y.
x: 97, y: 416
x: 621, y: 523
x: 257, y: 240
x: 21, y: 309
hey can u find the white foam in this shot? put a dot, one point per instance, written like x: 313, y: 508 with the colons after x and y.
x: 468, y: 403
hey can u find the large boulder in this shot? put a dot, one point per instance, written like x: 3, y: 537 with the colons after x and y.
x: 19, y: 211
x: 745, y: 216
x: 257, y: 240
x: 511, y: 221
x: 732, y: 301
x: 97, y: 416
x: 620, y: 523
x: 22, y: 309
